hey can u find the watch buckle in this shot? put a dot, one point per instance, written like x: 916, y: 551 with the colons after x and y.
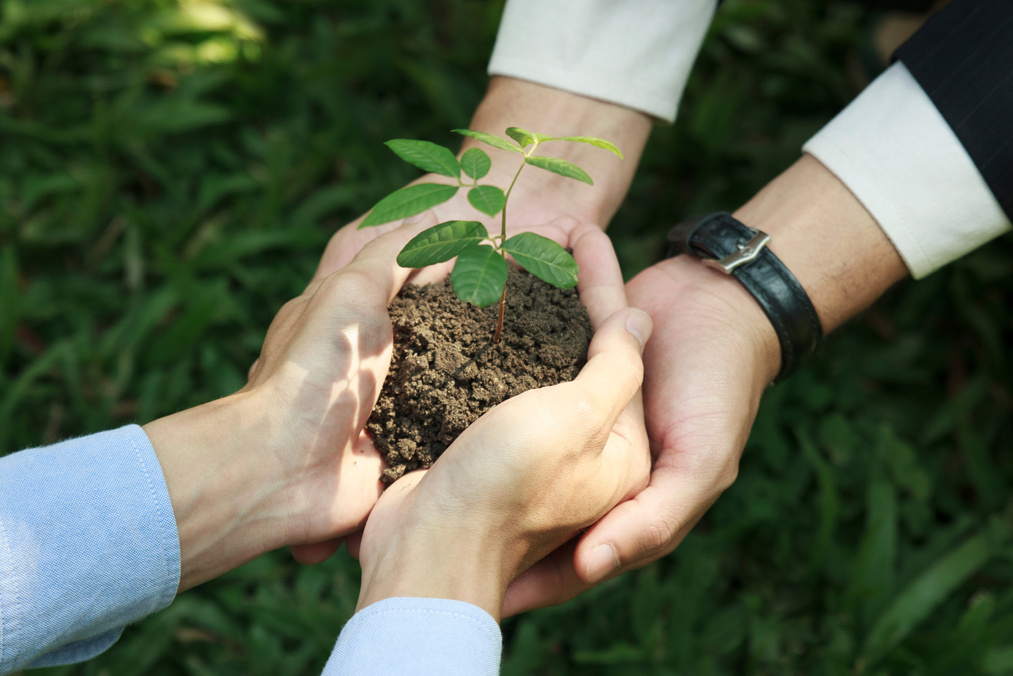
x: 746, y: 253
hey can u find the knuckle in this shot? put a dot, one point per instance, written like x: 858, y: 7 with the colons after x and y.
x: 563, y: 590
x: 586, y: 411
x: 659, y: 537
x: 354, y: 289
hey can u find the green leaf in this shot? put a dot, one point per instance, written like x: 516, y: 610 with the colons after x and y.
x: 408, y: 201
x: 479, y: 275
x: 426, y: 156
x: 596, y: 142
x: 475, y: 163
x: 829, y: 501
x: 915, y: 603
x: 874, y: 567
x: 175, y: 115
x: 488, y: 199
x: 440, y: 243
x: 489, y: 139
x: 543, y: 258
x: 998, y: 660
x: 523, y: 136
x: 561, y: 167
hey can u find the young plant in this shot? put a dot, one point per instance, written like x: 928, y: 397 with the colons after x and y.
x: 480, y: 273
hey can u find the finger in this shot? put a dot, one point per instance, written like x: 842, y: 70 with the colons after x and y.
x: 549, y: 582
x: 614, y: 370
x: 643, y: 529
x: 317, y: 552
x: 560, y: 229
x: 634, y: 534
x: 432, y: 273
x: 353, y: 543
x: 376, y: 264
x: 600, y: 281
x: 345, y: 244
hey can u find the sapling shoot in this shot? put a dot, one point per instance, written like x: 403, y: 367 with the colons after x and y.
x: 480, y: 273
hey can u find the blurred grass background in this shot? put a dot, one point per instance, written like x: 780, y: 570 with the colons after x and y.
x: 170, y: 171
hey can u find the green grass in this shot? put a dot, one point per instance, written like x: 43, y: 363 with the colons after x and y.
x: 170, y: 173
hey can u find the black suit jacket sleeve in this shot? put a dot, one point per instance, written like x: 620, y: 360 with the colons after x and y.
x: 963, y: 59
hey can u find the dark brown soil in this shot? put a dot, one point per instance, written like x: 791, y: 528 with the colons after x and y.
x: 446, y: 372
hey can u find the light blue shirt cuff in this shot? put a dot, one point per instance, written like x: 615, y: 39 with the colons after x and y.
x: 418, y: 636
x: 88, y: 544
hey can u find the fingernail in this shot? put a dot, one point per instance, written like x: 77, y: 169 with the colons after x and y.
x: 414, y: 219
x: 603, y: 560
x: 640, y: 325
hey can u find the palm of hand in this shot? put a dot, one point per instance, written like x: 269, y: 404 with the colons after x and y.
x: 321, y: 392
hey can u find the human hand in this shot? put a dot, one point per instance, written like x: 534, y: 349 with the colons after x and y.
x: 527, y: 475
x: 283, y: 461
x: 712, y: 356
x: 707, y: 364
x: 541, y: 202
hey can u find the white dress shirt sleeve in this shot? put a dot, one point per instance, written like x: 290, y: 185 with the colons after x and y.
x: 636, y: 53
x: 895, y: 152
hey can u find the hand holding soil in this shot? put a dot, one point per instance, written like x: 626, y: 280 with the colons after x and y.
x: 526, y: 476
x: 707, y: 367
x: 297, y: 423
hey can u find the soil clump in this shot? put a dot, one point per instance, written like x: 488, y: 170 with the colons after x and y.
x: 445, y: 372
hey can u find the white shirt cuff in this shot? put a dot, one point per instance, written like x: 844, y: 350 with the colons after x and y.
x: 899, y: 157
x: 636, y: 53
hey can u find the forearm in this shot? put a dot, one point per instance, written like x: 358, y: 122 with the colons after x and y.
x: 824, y: 236
x: 827, y: 238
x: 226, y: 506
x: 428, y: 566
x: 437, y: 554
x: 515, y: 103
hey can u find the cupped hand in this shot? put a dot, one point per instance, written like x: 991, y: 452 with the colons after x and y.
x: 527, y: 475
x: 323, y: 362
x: 710, y: 358
x: 281, y: 461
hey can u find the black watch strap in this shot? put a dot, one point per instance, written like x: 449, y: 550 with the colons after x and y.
x: 728, y: 245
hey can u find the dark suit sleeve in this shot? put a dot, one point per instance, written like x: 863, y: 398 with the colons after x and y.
x: 963, y: 59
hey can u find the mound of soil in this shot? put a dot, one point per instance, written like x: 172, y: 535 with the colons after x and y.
x: 445, y: 371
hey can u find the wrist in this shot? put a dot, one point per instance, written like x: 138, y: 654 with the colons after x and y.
x: 438, y: 558
x: 511, y: 102
x: 826, y: 237
x: 229, y: 507
x: 697, y: 293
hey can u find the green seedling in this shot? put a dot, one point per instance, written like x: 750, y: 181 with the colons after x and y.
x: 480, y: 273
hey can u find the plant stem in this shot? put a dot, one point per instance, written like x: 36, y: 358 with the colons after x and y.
x: 506, y: 198
x: 502, y: 298
x: 502, y: 309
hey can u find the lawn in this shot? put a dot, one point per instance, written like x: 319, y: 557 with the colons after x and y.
x: 170, y: 172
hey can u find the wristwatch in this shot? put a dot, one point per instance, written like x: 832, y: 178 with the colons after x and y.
x: 733, y: 248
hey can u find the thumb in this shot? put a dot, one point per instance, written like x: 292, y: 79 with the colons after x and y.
x: 640, y: 530
x: 378, y: 259
x: 615, y: 370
